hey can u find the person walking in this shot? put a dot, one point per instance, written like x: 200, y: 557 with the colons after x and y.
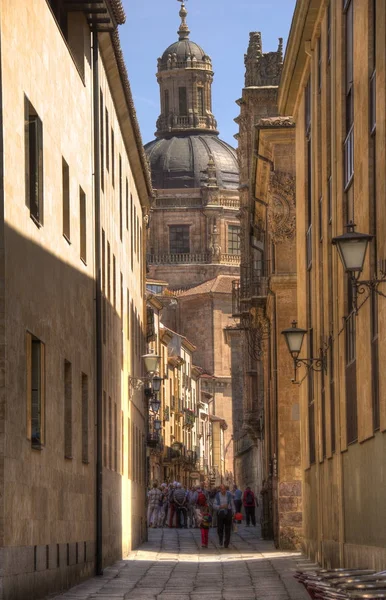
x: 206, y: 520
x: 237, y: 498
x: 249, y: 502
x: 180, y: 501
x: 225, y: 508
x: 154, y: 497
x: 172, y: 505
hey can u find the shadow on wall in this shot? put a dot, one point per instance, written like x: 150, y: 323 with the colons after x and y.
x: 49, y: 494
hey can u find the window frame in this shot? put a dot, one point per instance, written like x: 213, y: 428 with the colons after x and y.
x: 36, y: 443
x: 173, y: 229
x: 37, y: 207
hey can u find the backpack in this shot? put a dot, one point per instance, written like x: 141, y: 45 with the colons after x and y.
x: 249, y: 498
x: 201, y: 499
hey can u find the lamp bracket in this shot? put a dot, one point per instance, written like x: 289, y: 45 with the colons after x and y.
x: 316, y: 364
x: 366, y: 285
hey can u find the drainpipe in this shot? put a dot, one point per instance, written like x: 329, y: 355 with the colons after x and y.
x: 98, y: 305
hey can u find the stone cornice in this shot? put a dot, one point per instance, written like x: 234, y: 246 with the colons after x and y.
x: 303, y: 23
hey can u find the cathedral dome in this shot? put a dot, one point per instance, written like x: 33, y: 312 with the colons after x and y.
x: 182, y: 162
x: 183, y: 49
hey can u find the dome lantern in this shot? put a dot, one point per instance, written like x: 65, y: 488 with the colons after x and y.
x: 185, y: 78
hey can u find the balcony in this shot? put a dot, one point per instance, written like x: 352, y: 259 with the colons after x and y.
x: 178, y: 259
x: 254, y: 279
x: 153, y: 439
x: 189, y: 419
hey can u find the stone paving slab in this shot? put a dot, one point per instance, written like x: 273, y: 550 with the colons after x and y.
x: 173, y: 566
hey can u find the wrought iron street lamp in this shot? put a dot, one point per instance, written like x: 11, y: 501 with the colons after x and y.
x: 294, y: 337
x: 157, y: 425
x: 155, y: 404
x: 152, y: 363
x: 352, y: 248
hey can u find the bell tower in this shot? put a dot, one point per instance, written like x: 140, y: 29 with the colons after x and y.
x: 185, y: 78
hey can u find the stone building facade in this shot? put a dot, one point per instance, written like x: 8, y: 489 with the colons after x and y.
x: 74, y: 188
x: 194, y: 230
x: 333, y: 83
x: 267, y: 447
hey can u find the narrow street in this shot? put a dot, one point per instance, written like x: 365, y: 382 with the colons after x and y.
x: 173, y: 566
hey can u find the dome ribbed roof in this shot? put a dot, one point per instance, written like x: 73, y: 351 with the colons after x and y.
x: 182, y: 49
x: 182, y: 162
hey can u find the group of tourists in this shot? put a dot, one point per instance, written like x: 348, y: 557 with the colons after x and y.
x: 171, y: 505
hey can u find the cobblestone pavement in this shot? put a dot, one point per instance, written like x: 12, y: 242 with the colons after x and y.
x: 173, y: 566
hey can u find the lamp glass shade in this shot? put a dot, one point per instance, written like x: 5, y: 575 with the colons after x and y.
x: 157, y: 424
x: 176, y: 446
x: 156, y: 383
x: 352, y: 248
x: 155, y: 404
x: 294, y: 338
x: 151, y: 362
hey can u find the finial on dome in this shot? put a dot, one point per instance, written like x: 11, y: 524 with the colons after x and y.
x: 183, y: 31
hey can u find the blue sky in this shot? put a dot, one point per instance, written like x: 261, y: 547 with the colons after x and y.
x: 220, y: 27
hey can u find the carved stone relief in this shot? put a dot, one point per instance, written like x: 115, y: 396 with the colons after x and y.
x: 281, y: 208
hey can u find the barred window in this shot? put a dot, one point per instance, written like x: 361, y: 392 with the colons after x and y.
x: 233, y: 239
x: 179, y: 239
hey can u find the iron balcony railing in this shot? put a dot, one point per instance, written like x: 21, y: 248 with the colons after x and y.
x: 254, y: 279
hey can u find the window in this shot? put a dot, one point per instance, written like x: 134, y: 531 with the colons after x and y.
x: 35, y: 391
x: 82, y: 213
x: 127, y: 204
x: 311, y: 403
x: 108, y: 271
x: 179, y: 239
x: 66, y: 199
x: 71, y: 25
x: 60, y: 13
x: 107, y: 140
x: 183, y: 104
x: 128, y: 313
x: 233, y: 239
x: 166, y: 107
x: 329, y: 33
x: 134, y: 227
x: 33, y: 132
x: 350, y: 371
x: 132, y: 232
x: 84, y: 383
x: 115, y: 438
x: 200, y: 101
x: 349, y: 76
x: 67, y: 409
x: 332, y: 397
x: 114, y: 282
x: 320, y: 219
x: 110, y: 434
x: 104, y: 429
x: 319, y: 64
x: 120, y: 199
x: 329, y: 199
x: 102, y: 147
x: 112, y: 158
x: 373, y: 74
